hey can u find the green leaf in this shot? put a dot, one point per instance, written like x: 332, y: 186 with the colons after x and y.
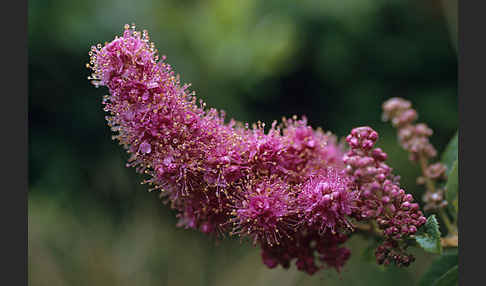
x: 441, y: 270
x: 451, y: 160
x: 452, y: 187
x: 428, y: 236
x: 450, y: 154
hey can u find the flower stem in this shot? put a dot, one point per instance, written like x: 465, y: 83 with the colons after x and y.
x: 428, y: 182
x: 369, y: 229
x: 430, y: 185
x: 451, y: 228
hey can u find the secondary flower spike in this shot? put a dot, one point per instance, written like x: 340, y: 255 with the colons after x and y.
x: 381, y: 198
x: 289, y: 190
x: 415, y: 139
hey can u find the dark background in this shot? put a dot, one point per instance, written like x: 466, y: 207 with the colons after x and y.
x: 90, y: 220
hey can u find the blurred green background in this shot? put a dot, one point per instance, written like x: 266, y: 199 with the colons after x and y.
x: 90, y: 220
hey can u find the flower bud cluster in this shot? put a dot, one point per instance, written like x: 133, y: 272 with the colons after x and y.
x: 380, y: 197
x: 434, y: 198
x: 390, y: 252
x: 415, y: 139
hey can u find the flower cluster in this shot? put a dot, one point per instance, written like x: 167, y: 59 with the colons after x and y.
x: 381, y: 198
x: 415, y: 139
x: 290, y: 190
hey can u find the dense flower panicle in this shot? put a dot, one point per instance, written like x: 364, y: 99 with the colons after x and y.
x: 290, y: 190
x: 219, y: 176
x: 381, y: 197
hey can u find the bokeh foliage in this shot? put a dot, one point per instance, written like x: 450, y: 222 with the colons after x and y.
x: 92, y: 223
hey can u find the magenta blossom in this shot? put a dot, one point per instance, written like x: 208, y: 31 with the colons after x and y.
x: 291, y: 190
x: 265, y: 213
x: 325, y: 201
